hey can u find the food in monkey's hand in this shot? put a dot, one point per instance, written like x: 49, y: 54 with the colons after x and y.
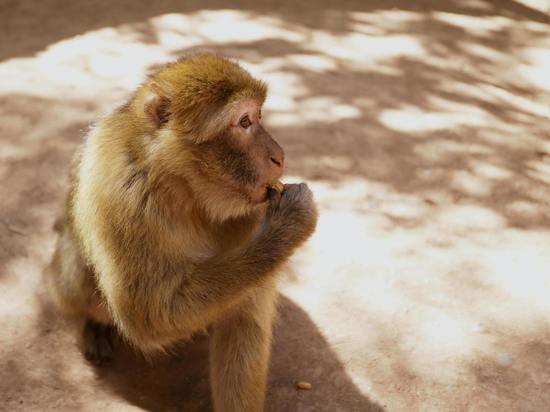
x: 278, y: 186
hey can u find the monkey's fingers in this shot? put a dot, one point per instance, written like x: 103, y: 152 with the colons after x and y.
x: 274, y: 193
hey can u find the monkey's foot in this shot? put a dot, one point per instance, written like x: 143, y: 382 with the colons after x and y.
x: 98, y: 343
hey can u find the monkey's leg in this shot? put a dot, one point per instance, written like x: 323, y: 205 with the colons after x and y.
x: 239, y: 354
x: 98, y: 343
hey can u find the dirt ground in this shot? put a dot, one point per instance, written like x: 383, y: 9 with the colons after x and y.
x: 423, y: 128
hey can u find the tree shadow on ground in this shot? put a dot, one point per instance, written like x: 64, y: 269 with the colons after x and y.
x: 19, y: 19
x: 510, y: 375
x: 450, y: 162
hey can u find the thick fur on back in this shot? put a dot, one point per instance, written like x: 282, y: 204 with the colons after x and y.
x: 142, y: 213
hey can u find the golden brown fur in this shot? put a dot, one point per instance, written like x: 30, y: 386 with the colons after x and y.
x: 169, y: 227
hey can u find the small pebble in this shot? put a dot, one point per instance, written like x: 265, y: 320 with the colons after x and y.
x: 304, y: 385
x: 479, y: 327
x: 504, y: 359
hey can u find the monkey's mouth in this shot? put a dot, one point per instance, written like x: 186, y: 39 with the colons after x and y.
x: 258, y: 194
x: 262, y: 193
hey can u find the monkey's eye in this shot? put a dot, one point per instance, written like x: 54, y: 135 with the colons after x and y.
x: 245, y: 122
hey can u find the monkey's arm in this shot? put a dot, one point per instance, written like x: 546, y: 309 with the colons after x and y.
x: 290, y: 220
x: 151, y: 315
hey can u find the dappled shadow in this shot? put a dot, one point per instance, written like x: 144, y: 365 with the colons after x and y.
x: 19, y: 19
x: 438, y: 134
x: 37, y: 145
x: 506, y: 377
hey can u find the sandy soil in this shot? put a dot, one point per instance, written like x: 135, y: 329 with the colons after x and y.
x: 423, y: 128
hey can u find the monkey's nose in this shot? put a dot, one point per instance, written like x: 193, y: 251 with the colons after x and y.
x: 277, y: 161
x: 276, y: 155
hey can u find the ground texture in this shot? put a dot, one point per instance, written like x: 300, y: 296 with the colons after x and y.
x: 423, y: 129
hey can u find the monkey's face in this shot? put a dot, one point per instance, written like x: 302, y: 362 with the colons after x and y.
x: 206, y: 114
x: 250, y: 159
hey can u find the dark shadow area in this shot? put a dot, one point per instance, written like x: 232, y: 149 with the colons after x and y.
x: 178, y: 380
x: 301, y: 353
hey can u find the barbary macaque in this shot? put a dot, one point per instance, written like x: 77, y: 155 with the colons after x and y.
x: 177, y: 221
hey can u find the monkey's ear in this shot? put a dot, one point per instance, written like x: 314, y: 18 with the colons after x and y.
x: 157, y: 106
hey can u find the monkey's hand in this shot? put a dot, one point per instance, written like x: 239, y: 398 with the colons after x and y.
x: 291, y: 215
x: 290, y: 220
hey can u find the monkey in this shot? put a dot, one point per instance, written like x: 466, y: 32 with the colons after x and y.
x: 176, y: 221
